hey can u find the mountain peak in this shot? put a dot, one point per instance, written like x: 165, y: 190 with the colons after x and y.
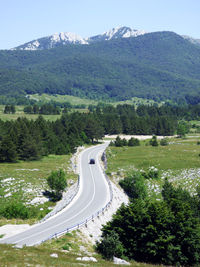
x: 118, y: 32
x: 67, y: 37
x: 64, y: 38
x: 123, y: 32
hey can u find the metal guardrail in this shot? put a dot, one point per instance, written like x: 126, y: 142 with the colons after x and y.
x: 76, y: 226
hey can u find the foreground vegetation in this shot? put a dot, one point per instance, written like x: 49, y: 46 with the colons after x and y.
x: 161, y: 224
x: 67, y: 248
x: 155, y: 203
x: 23, y: 184
x: 161, y: 232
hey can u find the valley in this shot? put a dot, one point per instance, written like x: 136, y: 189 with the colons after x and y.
x: 64, y: 99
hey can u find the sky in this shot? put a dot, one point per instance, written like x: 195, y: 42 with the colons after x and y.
x: 22, y: 21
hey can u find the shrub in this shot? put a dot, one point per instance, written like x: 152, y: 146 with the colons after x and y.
x: 153, y: 141
x: 57, y: 182
x: 164, y: 142
x: 133, y: 142
x: 118, y: 142
x: 15, y: 210
x: 110, y: 246
x: 134, y: 185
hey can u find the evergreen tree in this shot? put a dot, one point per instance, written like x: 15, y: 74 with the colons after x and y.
x: 153, y: 141
x: 133, y: 142
x: 8, y: 150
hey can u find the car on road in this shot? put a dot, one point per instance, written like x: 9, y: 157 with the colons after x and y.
x: 92, y: 161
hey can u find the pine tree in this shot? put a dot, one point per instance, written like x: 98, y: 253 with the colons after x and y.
x: 8, y: 150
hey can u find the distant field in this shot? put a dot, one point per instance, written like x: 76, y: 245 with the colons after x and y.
x: 63, y: 98
x: 78, y: 101
x: 180, y: 154
x: 20, y: 113
x: 73, y: 100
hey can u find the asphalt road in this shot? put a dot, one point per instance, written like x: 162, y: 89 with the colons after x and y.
x: 93, y: 195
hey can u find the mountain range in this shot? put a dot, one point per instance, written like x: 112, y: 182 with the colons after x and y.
x: 65, y: 38
x: 119, y: 64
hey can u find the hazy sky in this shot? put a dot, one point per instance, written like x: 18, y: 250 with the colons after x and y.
x: 25, y: 20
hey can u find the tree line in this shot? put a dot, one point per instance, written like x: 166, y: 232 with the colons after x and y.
x: 45, y: 109
x: 25, y: 139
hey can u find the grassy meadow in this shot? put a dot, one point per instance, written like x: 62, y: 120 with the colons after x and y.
x: 26, y: 180
x: 74, y: 100
x: 20, y: 113
x: 68, y: 248
x: 179, y: 162
x: 179, y: 154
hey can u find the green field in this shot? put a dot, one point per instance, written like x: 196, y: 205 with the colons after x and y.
x: 74, y: 100
x: 179, y: 162
x: 67, y: 248
x: 20, y: 113
x: 180, y: 154
x: 26, y: 180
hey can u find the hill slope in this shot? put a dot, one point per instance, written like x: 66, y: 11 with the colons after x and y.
x: 160, y: 65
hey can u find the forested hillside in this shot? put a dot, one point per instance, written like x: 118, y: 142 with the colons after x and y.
x: 158, y: 66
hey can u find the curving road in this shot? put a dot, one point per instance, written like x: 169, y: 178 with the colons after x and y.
x: 93, y: 195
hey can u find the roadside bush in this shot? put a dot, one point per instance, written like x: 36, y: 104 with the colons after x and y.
x: 110, y: 246
x: 57, y: 182
x: 134, y: 186
x: 15, y: 210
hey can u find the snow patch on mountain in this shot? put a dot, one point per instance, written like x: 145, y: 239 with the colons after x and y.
x: 122, y: 32
x: 67, y: 37
x: 115, y: 33
x: 64, y: 38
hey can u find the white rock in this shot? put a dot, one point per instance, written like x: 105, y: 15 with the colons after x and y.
x: 54, y: 255
x: 120, y: 261
x: 7, y: 180
x: 39, y: 200
x: 8, y: 195
x: 86, y: 259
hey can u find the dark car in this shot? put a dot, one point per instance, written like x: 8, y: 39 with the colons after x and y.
x: 92, y: 161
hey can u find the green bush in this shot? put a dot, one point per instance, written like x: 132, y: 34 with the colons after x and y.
x: 110, y: 246
x: 15, y: 210
x: 134, y: 185
x: 153, y: 141
x: 164, y: 142
x: 133, y: 142
x: 57, y: 182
